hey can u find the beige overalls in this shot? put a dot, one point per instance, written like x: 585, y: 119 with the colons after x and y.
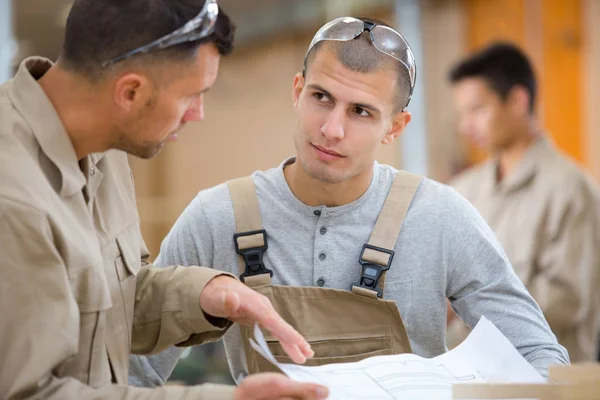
x: 340, y: 325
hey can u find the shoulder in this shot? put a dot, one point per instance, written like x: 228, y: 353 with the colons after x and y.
x: 210, y: 205
x: 21, y: 177
x: 568, y: 184
x: 216, y: 201
x: 22, y: 218
x: 465, y: 181
x: 263, y: 181
x: 430, y: 192
x: 563, y: 170
x: 447, y: 202
x: 434, y: 203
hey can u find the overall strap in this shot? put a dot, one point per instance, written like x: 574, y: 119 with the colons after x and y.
x: 250, y: 238
x: 377, y: 255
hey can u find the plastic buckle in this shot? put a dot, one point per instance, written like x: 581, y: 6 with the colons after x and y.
x: 371, y: 272
x: 253, y: 257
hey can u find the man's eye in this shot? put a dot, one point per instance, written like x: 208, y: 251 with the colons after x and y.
x: 361, y: 112
x: 320, y: 96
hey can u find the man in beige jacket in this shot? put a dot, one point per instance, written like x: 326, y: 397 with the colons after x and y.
x: 77, y: 294
x: 544, y: 209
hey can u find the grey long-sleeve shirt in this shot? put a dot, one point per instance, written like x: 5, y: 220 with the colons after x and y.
x: 444, y: 250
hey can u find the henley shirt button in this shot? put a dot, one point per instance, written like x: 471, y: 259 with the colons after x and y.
x: 323, y: 231
x: 322, y: 256
x: 317, y: 213
x: 321, y: 282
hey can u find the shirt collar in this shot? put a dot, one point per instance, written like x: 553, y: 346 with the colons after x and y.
x: 331, y: 211
x: 527, y: 168
x: 35, y: 107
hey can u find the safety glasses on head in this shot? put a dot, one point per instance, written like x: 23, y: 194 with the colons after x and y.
x: 384, y: 38
x: 197, y: 28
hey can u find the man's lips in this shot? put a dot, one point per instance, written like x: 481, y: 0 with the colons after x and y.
x: 327, y: 151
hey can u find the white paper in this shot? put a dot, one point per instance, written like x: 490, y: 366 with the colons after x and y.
x: 494, y: 356
x: 485, y: 356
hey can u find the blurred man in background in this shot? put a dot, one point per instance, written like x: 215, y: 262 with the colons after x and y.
x: 544, y: 208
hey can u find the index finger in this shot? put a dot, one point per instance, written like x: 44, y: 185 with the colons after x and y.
x: 289, y: 337
x: 266, y: 316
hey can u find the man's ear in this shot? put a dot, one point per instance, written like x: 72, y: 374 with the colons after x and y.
x: 297, y: 89
x: 518, y: 99
x: 132, y: 91
x: 399, y: 122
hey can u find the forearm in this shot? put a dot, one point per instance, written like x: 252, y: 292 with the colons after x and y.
x: 167, y: 309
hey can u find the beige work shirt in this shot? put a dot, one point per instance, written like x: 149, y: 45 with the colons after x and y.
x: 546, y: 215
x: 77, y: 294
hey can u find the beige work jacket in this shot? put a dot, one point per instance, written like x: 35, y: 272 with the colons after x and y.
x: 77, y: 294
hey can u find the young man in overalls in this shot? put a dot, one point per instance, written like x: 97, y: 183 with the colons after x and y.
x: 357, y: 256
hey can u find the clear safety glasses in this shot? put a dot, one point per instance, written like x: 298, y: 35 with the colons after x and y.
x: 384, y: 38
x: 199, y: 27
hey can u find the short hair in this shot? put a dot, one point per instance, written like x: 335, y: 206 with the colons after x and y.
x: 99, y: 30
x: 503, y: 66
x: 360, y: 55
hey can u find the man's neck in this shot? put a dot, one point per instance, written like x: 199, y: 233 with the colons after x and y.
x: 76, y: 103
x: 511, y: 156
x: 314, y: 193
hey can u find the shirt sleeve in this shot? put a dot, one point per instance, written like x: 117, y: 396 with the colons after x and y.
x: 167, y: 309
x: 481, y: 282
x: 41, y: 333
x: 189, y: 242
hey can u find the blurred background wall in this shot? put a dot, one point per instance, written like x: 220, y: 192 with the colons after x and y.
x: 7, y: 45
x: 249, y: 119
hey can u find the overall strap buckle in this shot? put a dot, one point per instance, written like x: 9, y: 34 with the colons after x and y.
x: 371, y: 272
x: 253, y: 254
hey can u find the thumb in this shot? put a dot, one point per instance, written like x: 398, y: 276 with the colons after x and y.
x: 219, y: 303
x: 231, y: 303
